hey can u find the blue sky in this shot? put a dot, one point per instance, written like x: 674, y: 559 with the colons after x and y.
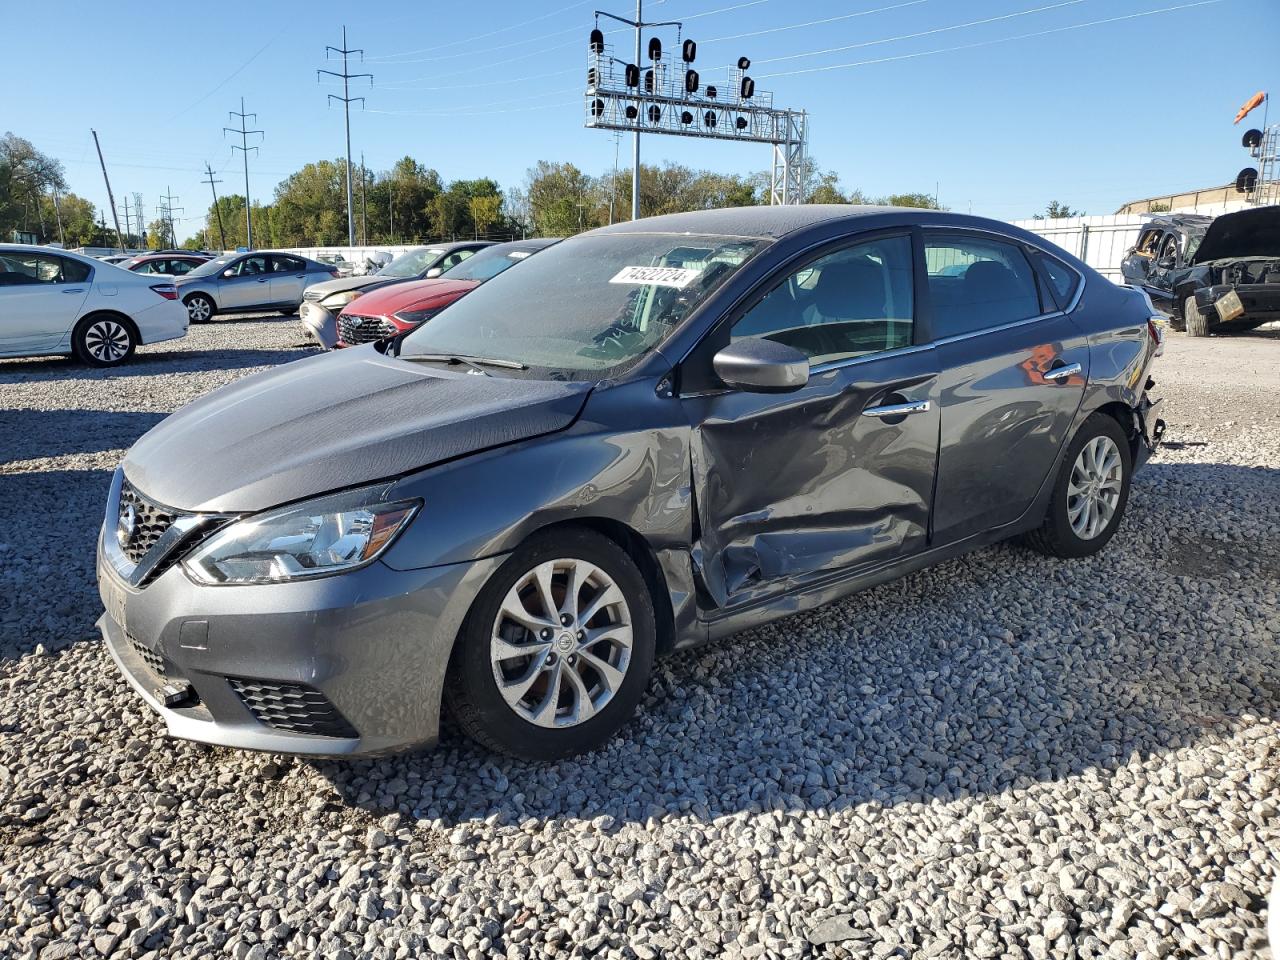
x: 1003, y: 115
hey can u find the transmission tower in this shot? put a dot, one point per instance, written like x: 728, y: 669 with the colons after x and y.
x: 346, y: 100
x: 167, y: 215
x: 245, y: 148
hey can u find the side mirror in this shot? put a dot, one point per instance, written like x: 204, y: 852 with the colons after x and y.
x: 434, y: 272
x: 228, y: 273
x: 1166, y: 263
x: 762, y: 366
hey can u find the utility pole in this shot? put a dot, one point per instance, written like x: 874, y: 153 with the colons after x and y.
x: 168, y: 210
x: 245, y: 148
x: 110, y: 196
x: 222, y: 234
x: 57, y: 212
x: 364, y: 205
x: 346, y: 100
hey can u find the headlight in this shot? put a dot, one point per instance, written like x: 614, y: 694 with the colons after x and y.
x: 324, y: 536
x: 417, y: 316
x: 336, y: 301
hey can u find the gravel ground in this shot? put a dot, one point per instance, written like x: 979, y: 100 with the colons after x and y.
x: 1002, y: 756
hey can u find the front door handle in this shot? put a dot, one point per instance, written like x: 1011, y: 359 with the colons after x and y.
x: 264, y: 280
x: 897, y: 409
x: 74, y: 290
x: 1061, y: 373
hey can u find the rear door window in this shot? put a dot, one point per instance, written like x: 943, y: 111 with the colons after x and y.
x: 977, y: 282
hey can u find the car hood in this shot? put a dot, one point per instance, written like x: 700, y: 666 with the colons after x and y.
x: 383, y: 303
x: 318, y: 291
x: 1246, y: 233
x: 333, y: 421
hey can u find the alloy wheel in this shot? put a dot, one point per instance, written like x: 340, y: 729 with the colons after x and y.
x: 1093, y: 492
x: 561, y: 643
x: 198, y: 309
x: 107, y: 341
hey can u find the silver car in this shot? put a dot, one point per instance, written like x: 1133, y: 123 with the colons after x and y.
x: 249, y: 283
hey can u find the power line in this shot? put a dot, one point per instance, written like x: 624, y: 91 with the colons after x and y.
x: 816, y: 23
x: 988, y: 43
x: 346, y: 100
x: 925, y: 33
x: 484, y: 36
x: 245, y: 148
x: 231, y: 76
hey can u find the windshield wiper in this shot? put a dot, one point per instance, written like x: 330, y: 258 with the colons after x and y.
x: 475, y: 363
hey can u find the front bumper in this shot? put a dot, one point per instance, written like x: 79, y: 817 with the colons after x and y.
x: 321, y: 323
x: 1261, y: 301
x: 373, y: 645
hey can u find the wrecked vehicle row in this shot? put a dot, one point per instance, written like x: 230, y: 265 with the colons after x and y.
x: 1211, y: 274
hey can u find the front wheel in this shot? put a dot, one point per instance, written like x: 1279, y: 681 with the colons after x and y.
x: 104, y: 341
x: 1196, y: 320
x: 1090, y: 492
x: 200, y: 308
x: 556, y: 651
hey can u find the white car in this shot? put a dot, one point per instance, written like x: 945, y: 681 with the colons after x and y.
x: 56, y: 302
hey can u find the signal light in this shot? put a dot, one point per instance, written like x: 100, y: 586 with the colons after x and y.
x: 748, y: 88
x: 1246, y: 180
x: 593, y: 78
x: 686, y: 117
x: 711, y: 92
x: 709, y: 118
x: 631, y: 111
x: 741, y: 123
x: 632, y: 75
x: 648, y: 81
x: 655, y: 48
x: 691, y: 81
x: 655, y: 113
x: 597, y: 41
x: 597, y: 108
x: 1251, y: 139
x: 688, y: 51
x: 744, y: 63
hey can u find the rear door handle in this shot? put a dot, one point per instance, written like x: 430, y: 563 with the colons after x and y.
x: 1061, y: 373
x: 897, y: 409
x: 264, y: 279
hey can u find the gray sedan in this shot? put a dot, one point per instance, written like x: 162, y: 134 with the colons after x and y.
x: 649, y: 436
x: 249, y: 283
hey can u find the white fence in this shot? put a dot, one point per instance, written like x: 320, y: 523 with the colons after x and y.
x: 1101, y: 242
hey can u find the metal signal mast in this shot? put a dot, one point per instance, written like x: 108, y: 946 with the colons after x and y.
x: 667, y: 96
x: 346, y: 100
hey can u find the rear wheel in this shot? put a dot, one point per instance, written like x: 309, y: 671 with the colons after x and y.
x: 555, y: 653
x: 1090, y: 493
x: 1197, y: 322
x: 200, y: 308
x: 104, y: 340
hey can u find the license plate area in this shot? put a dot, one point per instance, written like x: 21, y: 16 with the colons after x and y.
x: 116, y: 601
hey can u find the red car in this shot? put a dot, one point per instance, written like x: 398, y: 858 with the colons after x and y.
x: 399, y: 307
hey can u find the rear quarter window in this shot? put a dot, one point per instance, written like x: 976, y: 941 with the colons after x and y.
x: 1062, y: 281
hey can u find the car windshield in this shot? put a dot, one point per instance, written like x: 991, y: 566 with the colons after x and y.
x: 209, y: 268
x: 486, y: 264
x: 1193, y: 244
x: 587, y: 308
x: 411, y: 263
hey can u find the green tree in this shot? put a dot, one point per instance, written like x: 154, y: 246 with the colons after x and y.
x: 923, y: 201
x: 26, y: 176
x: 310, y: 207
x: 486, y: 210
x: 1057, y: 211
x: 560, y: 198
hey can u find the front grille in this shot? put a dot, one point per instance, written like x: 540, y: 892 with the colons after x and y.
x: 311, y: 293
x: 149, y: 656
x: 353, y: 329
x: 293, y: 707
x: 141, y: 523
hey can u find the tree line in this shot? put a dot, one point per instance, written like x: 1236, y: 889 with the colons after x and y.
x: 407, y: 203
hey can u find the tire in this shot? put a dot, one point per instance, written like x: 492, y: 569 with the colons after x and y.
x: 200, y: 308
x: 1067, y: 531
x: 104, y: 340
x: 530, y: 725
x: 1197, y: 322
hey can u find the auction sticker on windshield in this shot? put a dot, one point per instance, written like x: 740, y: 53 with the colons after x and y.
x: 678, y: 277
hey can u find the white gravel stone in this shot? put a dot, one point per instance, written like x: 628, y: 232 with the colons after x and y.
x: 1004, y: 755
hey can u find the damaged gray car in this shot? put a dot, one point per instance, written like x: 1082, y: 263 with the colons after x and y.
x: 1215, y: 274
x: 650, y: 436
